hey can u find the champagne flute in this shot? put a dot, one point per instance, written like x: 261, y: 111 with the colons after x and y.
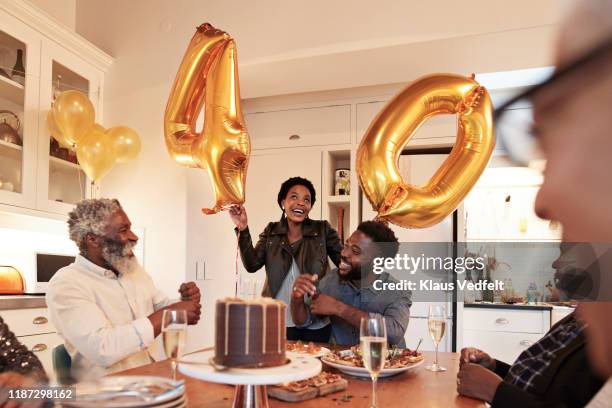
x: 436, y: 322
x: 373, y: 339
x: 174, y: 330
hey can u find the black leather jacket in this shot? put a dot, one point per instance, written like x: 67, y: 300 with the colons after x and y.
x: 320, y: 241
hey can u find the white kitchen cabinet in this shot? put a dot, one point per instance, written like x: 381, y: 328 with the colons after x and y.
x: 62, y: 183
x: 42, y: 345
x: 312, y: 126
x: 502, y: 346
x: 559, y: 313
x: 18, y: 160
x: 27, y: 322
x: 34, y: 329
x: 507, y: 320
x: 34, y: 173
x: 503, y: 333
x: 437, y: 130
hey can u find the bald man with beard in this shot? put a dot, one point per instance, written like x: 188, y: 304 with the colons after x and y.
x: 104, y: 305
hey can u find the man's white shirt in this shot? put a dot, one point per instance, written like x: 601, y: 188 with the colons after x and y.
x: 102, y: 317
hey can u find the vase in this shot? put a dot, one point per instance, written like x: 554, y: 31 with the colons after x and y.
x: 18, y: 73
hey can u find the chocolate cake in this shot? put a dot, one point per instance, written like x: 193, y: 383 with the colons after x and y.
x: 250, y: 333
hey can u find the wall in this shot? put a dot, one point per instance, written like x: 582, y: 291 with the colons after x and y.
x: 152, y: 187
x: 62, y: 10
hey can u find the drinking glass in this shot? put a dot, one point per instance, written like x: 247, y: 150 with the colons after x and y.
x: 436, y: 321
x: 174, y: 330
x: 373, y: 339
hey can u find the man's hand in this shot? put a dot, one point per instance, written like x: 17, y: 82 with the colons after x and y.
x: 475, y: 381
x: 193, y: 310
x: 476, y: 356
x: 304, y: 285
x: 190, y: 291
x: 325, y: 305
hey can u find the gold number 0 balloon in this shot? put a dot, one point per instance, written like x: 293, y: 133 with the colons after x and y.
x: 378, y: 154
x: 208, y: 78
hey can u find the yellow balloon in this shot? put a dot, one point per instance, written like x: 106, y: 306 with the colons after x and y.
x: 99, y: 127
x: 96, y: 154
x: 56, y: 133
x: 74, y: 115
x: 126, y: 143
x: 208, y: 79
x: 379, y: 151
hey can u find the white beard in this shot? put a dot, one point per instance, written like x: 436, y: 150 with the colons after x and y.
x: 123, y: 262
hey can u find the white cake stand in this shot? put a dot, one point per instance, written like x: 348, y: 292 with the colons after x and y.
x: 250, y: 383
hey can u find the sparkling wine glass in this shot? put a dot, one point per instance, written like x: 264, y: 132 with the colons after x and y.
x: 373, y: 339
x: 436, y: 322
x: 174, y: 330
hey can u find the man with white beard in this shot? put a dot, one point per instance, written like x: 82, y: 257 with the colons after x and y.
x: 104, y: 305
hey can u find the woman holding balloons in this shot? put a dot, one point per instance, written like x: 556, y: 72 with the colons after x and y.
x: 289, y: 247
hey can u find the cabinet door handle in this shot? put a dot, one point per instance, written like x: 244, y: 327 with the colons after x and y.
x: 40, y: 320
x: 39, y: 347
x: 525, y: 343
x: 502, y: 320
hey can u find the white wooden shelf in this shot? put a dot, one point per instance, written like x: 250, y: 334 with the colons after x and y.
x: 64, y: 163
x: 338, y: 199
x: 10, y: 145
x: 11, y: 90
x: 10, y: 150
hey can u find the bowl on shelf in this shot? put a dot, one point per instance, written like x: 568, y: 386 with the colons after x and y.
x: 9, y: 127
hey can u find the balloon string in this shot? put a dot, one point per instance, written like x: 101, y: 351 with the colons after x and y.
x: 81, y: 192
x: 237, y: 276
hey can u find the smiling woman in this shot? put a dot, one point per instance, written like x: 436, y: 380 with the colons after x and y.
x: 290, y: 247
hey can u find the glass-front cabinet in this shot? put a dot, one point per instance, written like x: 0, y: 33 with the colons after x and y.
x: 62, y: 183
x: 35, y: 67
x: 19, y: 68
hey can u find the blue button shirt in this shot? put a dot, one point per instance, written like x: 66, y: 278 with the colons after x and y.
x: 394, y: 306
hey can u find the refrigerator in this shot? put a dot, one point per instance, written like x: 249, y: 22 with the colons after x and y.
x: 416, y: 168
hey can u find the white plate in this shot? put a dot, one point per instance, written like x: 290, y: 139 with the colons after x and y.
x: 167, y: 399
x: 321, y: 353
x: 363, y: 372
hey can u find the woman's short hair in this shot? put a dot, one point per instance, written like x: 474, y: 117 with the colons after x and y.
x: 296, y: 181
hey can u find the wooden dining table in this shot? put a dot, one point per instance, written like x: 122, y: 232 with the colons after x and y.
x: 415, y: 388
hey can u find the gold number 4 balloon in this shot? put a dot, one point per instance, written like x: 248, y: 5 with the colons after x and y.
x: 208, y: 79
x: 378, y: 154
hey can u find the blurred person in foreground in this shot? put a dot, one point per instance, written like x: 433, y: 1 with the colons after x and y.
x: 104, y: 305
x: 553, y: 372
x: 19, y: 369
x: 570, y: 132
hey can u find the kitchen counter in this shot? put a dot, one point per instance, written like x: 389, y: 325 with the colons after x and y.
x: 517, y: 306
x: 9, y: 302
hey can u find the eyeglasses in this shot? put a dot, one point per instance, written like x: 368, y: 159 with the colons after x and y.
x: 514, y: 119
